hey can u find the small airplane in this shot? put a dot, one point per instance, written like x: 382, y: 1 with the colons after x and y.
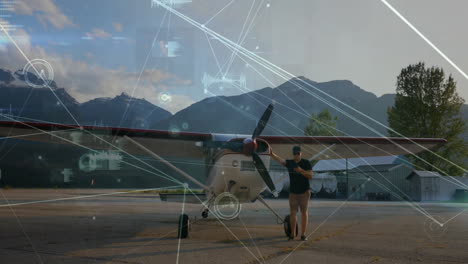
x: 236, y: 164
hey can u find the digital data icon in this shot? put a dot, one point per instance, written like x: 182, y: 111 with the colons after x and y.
x: 170, y: 3
x: 208, y: 81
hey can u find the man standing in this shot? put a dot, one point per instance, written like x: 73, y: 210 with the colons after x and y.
x: 300, y: 171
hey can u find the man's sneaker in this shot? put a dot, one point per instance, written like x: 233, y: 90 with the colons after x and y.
x: 304, y: 238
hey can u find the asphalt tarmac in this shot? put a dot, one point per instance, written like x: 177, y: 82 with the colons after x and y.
x: 139, y: 228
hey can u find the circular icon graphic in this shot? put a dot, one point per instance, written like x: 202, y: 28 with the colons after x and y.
x: 87, y: 162
x: 435, y: 230
x: 226, y: 206
x: 38, y: 73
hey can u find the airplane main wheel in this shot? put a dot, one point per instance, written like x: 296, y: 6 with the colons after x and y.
x: 184, y: 225
x: 287, y: 226
x: 205, y: 213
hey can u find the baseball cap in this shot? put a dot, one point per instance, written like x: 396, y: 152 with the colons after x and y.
x: 296, y: 149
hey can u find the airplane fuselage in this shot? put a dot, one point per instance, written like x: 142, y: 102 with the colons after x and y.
x: 235, y: 173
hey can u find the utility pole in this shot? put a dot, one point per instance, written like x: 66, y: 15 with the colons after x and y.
x: 347, y: 179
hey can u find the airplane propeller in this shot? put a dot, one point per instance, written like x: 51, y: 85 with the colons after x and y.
x: 259, y: 165
x: 263, y: 121
x: 262, y: 170
x: 249, y: 147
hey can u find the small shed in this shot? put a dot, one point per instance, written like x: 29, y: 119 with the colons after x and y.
x: 424, y: 185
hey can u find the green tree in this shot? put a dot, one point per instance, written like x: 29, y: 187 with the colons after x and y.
x: 322, y: 124
x: 427, y: 105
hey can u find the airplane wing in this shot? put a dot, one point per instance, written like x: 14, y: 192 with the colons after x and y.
x: 350, y: 147
x: 163, y: 143
x: 188, y: 144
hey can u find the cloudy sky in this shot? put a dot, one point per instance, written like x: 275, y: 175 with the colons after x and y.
x: 106, y: 47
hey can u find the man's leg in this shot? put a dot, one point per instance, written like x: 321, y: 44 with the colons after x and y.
x: 304, y: 220
x: 304, y: 205
x: 293, y: 205
x: 293, y: 221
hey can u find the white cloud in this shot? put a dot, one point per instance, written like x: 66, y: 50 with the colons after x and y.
x: 178, y: 102
x: 45, y: 11
x: 98, y: 33
x: 86, y: 81
x: 117, y: 26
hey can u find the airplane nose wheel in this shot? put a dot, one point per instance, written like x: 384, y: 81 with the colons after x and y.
x: 204, y: 214
x: 184, y: 226
x: 287, y: 226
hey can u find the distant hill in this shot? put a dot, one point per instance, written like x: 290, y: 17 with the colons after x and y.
x: 19, y: 99
x: 110, y: 112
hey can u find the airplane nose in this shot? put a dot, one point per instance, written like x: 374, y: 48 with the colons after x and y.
x: 250, y: 146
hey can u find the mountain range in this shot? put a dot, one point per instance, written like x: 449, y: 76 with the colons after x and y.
x: 219, y: 114
x: 293, y: 106
x: 40, y: 104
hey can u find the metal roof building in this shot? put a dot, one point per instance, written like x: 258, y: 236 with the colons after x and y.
x: 342, y: 164
x: 379, y: 182
x: 388, y: 173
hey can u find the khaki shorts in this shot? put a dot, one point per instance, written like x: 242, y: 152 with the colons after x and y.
x: 299, y: 200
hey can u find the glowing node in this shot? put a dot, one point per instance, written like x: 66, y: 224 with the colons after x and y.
x: 41, y: 71
x: 174, y: 130
x: 185, y: 185
x: 185, y: 126
x: 268, y: 5
x: 257, y: 47
x: 434, y: 228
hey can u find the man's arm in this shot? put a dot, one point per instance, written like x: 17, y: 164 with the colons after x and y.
x: 306, y: 173
x: 277, y: 158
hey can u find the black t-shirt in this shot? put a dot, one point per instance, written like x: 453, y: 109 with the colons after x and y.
x: 298, y: 183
